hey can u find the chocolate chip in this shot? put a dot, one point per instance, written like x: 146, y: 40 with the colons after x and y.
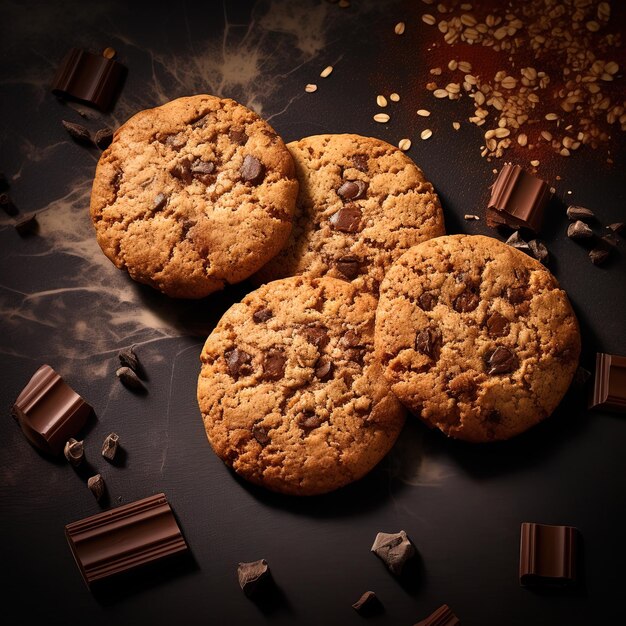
x: 317, y: 336
x: 253, y: 576
x: 349, y: 266
x: 579, y: 230
x: 182, y: 171
x: 77, y: 132
x: 309, y: 420
x: 74, y: 451
x: 352, y: 190
x: 238, y: 362
x: 252, y: 170
x: 203, y: 167
x: 610, y: 239
x: 367, y: 604
x: 109, y: 447
x: 128, y: 358
x: 360, y: 162
x: 515, y: 241
x: 516, y: 295
x: 598, y: 256
x: 618, y: 227
x: 274, y: 365
x: 27, y: 225
x: 466, y: 302
x: 96, y: 486
x: 428, y: 342
x: 7, y: 205
x: 347, y: 219
x: 538, y: 250
x: 259, y: 432
x: 129, y: 379
x: 394, y: 549
x: 159, y: 202
x: 262, y: 315
x: 103, y: 138
x: 501, y: 361
x: 427, y: 301
x: 580, y: 213
x: 176, y: 142
x: 350, y: 339
x: 238, y: 135
x: 497, y: 325
x: 323, y: 368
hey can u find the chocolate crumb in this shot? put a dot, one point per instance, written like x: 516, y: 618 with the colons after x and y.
x: 576, y: 213
x: 27, y: 225
x: 109, y: 447
x: 367, y: 604
x: 128, y: 358
x: 238, y: 363
x: 599, y: 256
x: 129, y: 379
x: 538, y: 250
x: 516, y: 241
x: 96, y: 486
x: 579, y: 230
x: 74, y: 451
x: 77, y: 132
x: 103, y: 138
x: 253, y: 576
x: 394, y: 549
x: 262, y: 315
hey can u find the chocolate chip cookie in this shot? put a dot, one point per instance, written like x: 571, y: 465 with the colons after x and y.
x: 475, y: 337
x: 192, y: 195
x: 290, y: 393
x: 362, y: 203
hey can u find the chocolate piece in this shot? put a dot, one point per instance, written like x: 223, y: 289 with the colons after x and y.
x: 538, y: 250
x: 274, y: 365
x: 497, y: 325
x: 367, y: 604
x: 176, y: 142
x: 308, y: 420
x: 516, y: 295
x: 262, y: 315
x: 394, y: 549
x: 579, y: 230
x: 501, y: 361
x: 237, y: 135
x: 580, y: 213
x: 182, y: 171
x: 253, y: 576
x: 618, y: 227
x: 77, y: 132
x: 203, y: 167
x: 346, y: 220
x: 352, y: 190
x: 518, y: 199
x: 49, y: 411
x: 428, y: 342
x: 516, y: 241
x: 348, y: 266
x: 7, y: 205
x: 252, y: 170
x: 238, y: 362
x: 27, y: 225
x: 360, y: 162
x: 74, y: 451
x: 610, y: 240
x: 443, y: 616
x: 350, y: 339
x: 129, y: 379
x: 599, y: 256
x: 323, y: 368
x: 96, y: 486
x: 103, y: 138
x: 127, y: 357
x: 547, y: 555
x: 260, y: 434
x: 317, y: 336
x: 466, y: 302
x: 125, y: 537
x: 88, y: 78
x: 609, y: 388
x: 109, y: 447
x: 427, y: 301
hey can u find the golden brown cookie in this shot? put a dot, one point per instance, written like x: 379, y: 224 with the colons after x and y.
x: 192, y: 195
x: 290, y: 394
x: 362, y: 203
x: 475, y: 337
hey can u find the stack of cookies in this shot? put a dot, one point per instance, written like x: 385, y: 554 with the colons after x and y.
x: 365, y: 306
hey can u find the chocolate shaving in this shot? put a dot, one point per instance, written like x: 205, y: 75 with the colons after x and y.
x: 77, y: 132
x: 129, y: 379
x: 74, y: 451
x: 109, y: 447
x: 96, y: 486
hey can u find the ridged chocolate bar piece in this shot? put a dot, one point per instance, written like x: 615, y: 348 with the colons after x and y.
x: 123, y: 538
x: 548, y: 555
x: 518, y: 199
x: 443, y: 616
x: 609, y: 388
x: 89, y: 78
x: 49, y: 411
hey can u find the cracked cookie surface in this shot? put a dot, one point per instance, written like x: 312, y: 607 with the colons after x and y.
x: 192, y: 195
x: 475, y: 337
x: 290, y: 393
x: 362, y: 203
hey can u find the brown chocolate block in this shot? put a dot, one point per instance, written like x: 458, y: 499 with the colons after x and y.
x: 609, y: 389
x: 123, y: 538
x: 49, y: 411
x: 547, y: 555
x: 443, y: 616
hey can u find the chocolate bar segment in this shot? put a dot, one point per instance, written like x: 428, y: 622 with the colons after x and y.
x: 609, y: 389
x: 548, y: 555
x: 49, y: 411
x: 518, y: 199
x: 124, y: 538
x: 443, y: 616
x: 88, y: 78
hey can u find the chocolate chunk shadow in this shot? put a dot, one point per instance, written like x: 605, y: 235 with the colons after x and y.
x: 413, y: 576
x: 120, y: 458
x: 270, y: 598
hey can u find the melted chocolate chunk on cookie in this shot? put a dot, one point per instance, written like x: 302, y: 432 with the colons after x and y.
x: 308, y: 420
x: 516, y: 295
x: 259, y: 432
x: 317, y: 335
x: 360, y: 162
x: 182, y: 171
x: 176, y: 142
x: 350, y: 339
x: 349, y: 266
x: 494, y: 417
x: 427, y: 301
x: 262, y: 315
x: 204, y: 171
x: 428, y: 342
x: 501, y: 361
x: 238, y: 136
x: 323, y: 368
x: 252, y: 170
x: 159, y: 202
x: 238, y: 362
x: 347, y: 220
x: 497, y: 325
x: 352, y: 190
x: 274, y: 365
x: 467, y: 301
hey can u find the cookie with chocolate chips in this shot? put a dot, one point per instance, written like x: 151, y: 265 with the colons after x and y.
x: 475, y: 337
x: 362, y: 203
x: 192, y: 195
x: 290, y: 393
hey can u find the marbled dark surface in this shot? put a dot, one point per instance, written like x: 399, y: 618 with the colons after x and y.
x: 63, y: 303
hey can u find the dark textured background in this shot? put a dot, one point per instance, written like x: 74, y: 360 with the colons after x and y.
x: 63, y: 303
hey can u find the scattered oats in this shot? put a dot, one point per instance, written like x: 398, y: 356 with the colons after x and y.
x: 381, y: 118
x: 564, y: 152
x: 465, y: 67
x: 381, y: 101
x: 502, y: 132
x: 310, y: 88
x: 593, y: 26
x: 399, y: 29
x: 509, y: 82
x: 535, y: 163
x: 435, y: 71
x: 440, y: 93
x: 468, y: 20
x: 522, y: 139
x: 456, y: 125
x: 423, y: 112
x: 604, y: 11
x: 469, y: 216
x: 404, y: 144
x: 611, y: 67
x: 426, y: 134
x: 551, y: 117
x: 394, y: 97
x: 452, y: 65
x: 327, y: 71
x: 429, y: 19
x: 546, y: 135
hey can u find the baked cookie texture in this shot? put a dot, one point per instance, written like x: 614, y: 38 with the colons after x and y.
x: 192, y: 195
x: 362, y: 203
x: 289, y: 390
x: 475, y: 337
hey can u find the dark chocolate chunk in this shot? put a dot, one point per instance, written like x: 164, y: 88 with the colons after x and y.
x: 352, y: 190
x: 238, y: 135
x: 443, y: 616
x: 323, y: 368
x: 176, y: 142
x: 308, y: 420
x: 96, y: 486
x: 159, y: 202
x: 617, y: 227
x: 548, y: 555
x: 350, y: 339
x: 262, y: 315
x: 77, y: 132
x: 518, y: 199
x: 428, y: 342
x: 610, y: 240
x: 367, y: 604
x: 317, y: 336
x: 497, y: 325
x: 4, y: 183
x: 74, y: 451
x: 501, y: 361
x: 538, y: 250
x: 575, y: 213
x: 49, y: 411
x: 516, y: 295
x: 28, y: 225
x: 253, y: 576
x: 274, y: 365
x: 238, y: 362
x: 129, y: 379
x: 128, y: 358
x: 427, y: 301
x: 260, y: 433
x: 346, y: 220
x: 394, y: 549
x: 599, y: 256
x: 579, y: 230
x: 360, y: 162
x: 7, y: 205
x: 182, y: 171
x: 252, y: 170
x: 203, y: 167
x: 609, y: 390
x: 349, y: 266
x: 516, y: 241
x: 103, y: 138
x: 109, y: 446
x: 124, y: 537
x: 466, y: 302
